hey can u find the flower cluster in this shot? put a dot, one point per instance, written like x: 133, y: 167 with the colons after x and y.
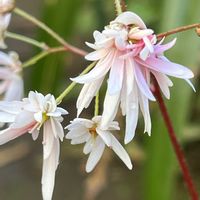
x: 130, y: 53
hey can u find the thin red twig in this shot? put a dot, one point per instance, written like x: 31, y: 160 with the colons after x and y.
x: 177, y: 30
x: 177, y: 148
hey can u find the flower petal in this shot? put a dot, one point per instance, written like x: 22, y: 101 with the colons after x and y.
x: 116, y: 76
x: 87, y: 93
x: 121, y: 152
x: 111, y: 103
x: 50, y: 165
x: 101, y: 68
x: 142, y: 84
x: 129, y: 18
x: 95, y: 155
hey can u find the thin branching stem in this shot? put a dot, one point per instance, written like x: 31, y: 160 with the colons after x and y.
x: 177, y: 30
x: 48, y: 30
x: 26, y: 39
x: 73, y: 84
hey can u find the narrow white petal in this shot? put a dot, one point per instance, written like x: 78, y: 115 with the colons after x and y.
x: 132, y: 112
x: 144, y: 106
x: 163, y: 82
x: 96, y: 55
x: 116, y: 75
x: 57, y: 128
x: 105, y: 136
x: 81, y: 139
x: 48, y: 139
x: 101, y: 68
x: 190, y: 84
x: 50, y: 165
x: 121, y: 152
x: 111, y: 104
x: 88, y: 146
x: 95, y: 155
x: 87, y: 93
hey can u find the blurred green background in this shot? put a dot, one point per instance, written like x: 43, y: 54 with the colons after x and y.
x: 156, y: 175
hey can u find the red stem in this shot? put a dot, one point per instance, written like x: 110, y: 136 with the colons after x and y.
x: 178, y: 150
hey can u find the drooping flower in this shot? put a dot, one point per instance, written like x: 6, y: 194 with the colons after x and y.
x: 11, y: 85
x: 131, y: 52
x: 95, y: 139
x: 27, y: 116
x: 5, y: 8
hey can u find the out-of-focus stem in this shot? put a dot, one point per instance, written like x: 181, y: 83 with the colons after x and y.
x: 41, y: 55
x: 25, y: 39
x: 177, y: 148
x: 43, y: 26
x: 96, y: 108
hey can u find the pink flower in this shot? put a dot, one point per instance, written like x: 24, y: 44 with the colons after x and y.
x: 131, y: 52
x: 28, y: 116
x: 11, y: 86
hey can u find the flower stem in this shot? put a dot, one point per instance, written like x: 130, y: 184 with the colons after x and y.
x: 118, y: 7
x: 25, y: 39
x: 177, y: 148
x: 41, y: 55
x: 177, y: 30
x: 44, y: 27
x: 73, y: 84
x: 96, y: 108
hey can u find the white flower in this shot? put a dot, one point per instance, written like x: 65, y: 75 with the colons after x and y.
x: 129, y: 50
x: 11, y: 84
x: 28, y: 116
x: 5, y: 7
x: 95, y: 138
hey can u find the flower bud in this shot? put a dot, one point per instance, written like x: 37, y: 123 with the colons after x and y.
x: 198, y: 31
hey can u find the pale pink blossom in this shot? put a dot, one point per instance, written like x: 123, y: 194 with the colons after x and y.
x: 11, y: 85
x: 27, y: 116
x: 95, y: 139
x: 129, y: 50
x: 5, y: 7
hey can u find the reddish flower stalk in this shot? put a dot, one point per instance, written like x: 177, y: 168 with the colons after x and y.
x: 177, y: 148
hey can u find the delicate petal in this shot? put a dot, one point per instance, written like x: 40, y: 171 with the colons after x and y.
x: 110, y: 108
x: 167, y: 67
x: 121, y: 152
x: 88, y: 146
x: 105, y: 136
x: 95, y: 154
x: 116, y: 76
x: 50, y: 165
x: 98, y: 71
x: 159, y: 49
x: 57, y: 128
x: 142, y: 84
x: 129, y: 18
x: 132, y: 112
x: 88, y: 91
x: 48, y: 139
x: 96, y: 55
